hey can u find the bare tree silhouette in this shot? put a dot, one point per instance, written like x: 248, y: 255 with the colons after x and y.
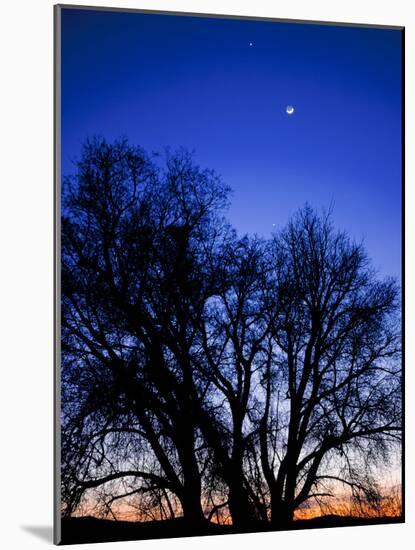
x: 133, y: 276
x: 210, y: 376
x: 337, y: 342
x: 232, y: 334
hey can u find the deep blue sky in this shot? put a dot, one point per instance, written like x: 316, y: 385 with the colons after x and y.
x: 163, y: 80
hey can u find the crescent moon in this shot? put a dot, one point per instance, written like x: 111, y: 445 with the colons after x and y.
x: 289, y: 110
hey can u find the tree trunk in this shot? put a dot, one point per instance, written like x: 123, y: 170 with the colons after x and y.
x: 282, y: 513
x: 240, y: 506
x: 191, y: 506
x: 192, y: 489
x: 191, y: 493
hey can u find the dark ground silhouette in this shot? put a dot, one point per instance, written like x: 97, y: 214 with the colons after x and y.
x: 90, y: 529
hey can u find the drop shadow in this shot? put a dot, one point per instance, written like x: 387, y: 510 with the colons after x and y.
x: 42, y: 532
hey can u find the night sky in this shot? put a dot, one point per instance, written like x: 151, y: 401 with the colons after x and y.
x: 220, y: 87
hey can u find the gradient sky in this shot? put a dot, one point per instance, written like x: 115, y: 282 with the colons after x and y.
x: 163, y: 80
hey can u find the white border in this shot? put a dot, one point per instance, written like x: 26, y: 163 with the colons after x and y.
x: 26, y: 297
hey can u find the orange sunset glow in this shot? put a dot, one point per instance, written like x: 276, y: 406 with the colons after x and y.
x: 390, y: 506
